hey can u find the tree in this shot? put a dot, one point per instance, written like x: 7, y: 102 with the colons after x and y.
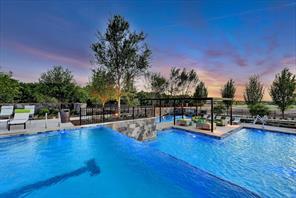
x: 228, y: 91
x: 58, y: 83
x: 157, y: 83
x: 81, y: 94
x: 121, y: 53
x: 9, y: 87
x: 142, y: 96
x: 174, y: 81
x: 130, y: 96
x: 28, y: 92
x: 253, y: 91
x: 101, y: 87
x: 186, y: 81
x: 200, y: 92
x: 283, y: 90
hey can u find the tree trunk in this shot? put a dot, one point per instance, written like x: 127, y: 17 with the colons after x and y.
x: 283, y: 114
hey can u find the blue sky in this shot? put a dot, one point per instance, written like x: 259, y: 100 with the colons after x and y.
x: 220, y: 39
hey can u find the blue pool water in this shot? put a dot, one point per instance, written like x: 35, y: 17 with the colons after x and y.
x: 99, y: 162
x: 261, y: 161
x: 170, y: 118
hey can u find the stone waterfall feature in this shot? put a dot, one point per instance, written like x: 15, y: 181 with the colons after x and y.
x: 139, y: 129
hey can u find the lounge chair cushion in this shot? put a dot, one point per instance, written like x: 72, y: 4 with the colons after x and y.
x: 22, y: 111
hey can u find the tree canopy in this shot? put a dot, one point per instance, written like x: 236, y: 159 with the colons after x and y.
x: 28, y: 92
x: 187, y: 81
x: 157, y: 83
x: 174, y: 81
x: 181, y: 81
x: 9, y: 87
x: 122, y: 53
x: 228, y: 91
x: 101, y: 87
x: 253, y: 91
x: 283, y: 90
x: 58, y: 83
x: 200, y: 92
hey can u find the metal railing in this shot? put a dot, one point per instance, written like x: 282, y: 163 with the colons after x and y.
x: 110, y: 113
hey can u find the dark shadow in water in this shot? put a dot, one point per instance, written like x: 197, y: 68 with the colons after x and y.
x: 90, y: 167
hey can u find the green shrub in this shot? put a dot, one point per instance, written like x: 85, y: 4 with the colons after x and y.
x: 53, y: 112
x: 42, y: 112
x: 259, y: 109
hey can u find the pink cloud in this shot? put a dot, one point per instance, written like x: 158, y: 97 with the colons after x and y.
x: 214, y: 53
x: 239, y: 60
x: 80, y: 62
x: 229, y: 52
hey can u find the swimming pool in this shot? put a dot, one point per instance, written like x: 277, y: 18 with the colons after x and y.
x: 261, y: 161
x: 99, y: 162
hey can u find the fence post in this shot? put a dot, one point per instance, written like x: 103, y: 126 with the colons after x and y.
x: 103, y: 114
x: 92, y: 115
x: 212, y: 115
x: 182, y: 110
x: 133, y: 113
x: 174, y: 112
x: 196, y: 109
x: 159, y: 110
x: 231, y: 114
x: 80, y: 116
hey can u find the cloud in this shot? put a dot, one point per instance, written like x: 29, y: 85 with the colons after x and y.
x: 214, y: 53
x: 227, y: 52
x: 239, y: 60
x: 79, y: 62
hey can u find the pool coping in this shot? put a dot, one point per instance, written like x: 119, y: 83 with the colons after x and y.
x: 289, y: 131
x: 50, y: 130
x: 212, y: 135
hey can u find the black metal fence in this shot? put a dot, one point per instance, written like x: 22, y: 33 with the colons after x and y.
x: 110, y: 113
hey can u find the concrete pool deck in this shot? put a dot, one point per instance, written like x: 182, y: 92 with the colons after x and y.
x: 33, y: 127
x: 38, y: 126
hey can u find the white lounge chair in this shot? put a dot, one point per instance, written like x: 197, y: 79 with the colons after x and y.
x: 21, y: 116
x: 205, y: 116
x: 32, y: 110
x: 236, y: 120
x: 227, y: 120
x: 218, y: 117
x: 6, y: 111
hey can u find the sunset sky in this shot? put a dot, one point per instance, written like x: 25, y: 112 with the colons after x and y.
x: 220, y: 40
